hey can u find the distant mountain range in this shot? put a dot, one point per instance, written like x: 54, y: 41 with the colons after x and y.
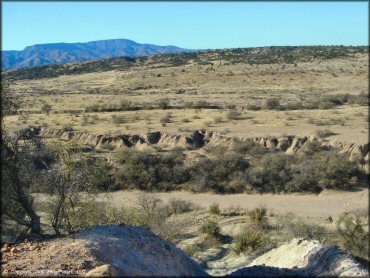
x: 60, y: 53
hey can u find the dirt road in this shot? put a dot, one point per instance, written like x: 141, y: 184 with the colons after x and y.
x: 325, y: 204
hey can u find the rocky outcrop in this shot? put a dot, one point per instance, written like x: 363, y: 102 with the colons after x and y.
x: 201, y: 138
x: 303, y: 258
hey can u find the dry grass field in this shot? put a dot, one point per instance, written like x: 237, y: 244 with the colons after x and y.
x: 220, y: 83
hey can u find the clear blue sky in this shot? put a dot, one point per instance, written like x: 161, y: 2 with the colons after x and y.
x: 186, y: 24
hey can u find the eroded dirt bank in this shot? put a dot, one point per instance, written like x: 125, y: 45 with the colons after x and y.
x: 202, y: 138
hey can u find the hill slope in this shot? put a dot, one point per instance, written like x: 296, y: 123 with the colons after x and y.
x: 59, y: 53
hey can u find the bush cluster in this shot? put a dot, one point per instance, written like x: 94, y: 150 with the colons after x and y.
x: 248, y: 167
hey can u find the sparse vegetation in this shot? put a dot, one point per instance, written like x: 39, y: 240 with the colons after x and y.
x: 214, y: 209
x: 211, y: 228
x: 248, y: 241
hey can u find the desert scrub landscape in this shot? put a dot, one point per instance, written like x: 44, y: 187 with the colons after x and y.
x: 264, y: 145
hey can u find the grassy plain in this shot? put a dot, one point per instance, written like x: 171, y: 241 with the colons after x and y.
x: 219, y: 83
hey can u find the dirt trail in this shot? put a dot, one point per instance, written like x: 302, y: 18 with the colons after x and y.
x: 327, y: 203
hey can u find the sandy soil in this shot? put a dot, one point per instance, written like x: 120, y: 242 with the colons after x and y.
x: 327, y: 203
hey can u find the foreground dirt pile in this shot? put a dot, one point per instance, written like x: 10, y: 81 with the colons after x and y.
x: 135, y: 251
x: 106, y: 250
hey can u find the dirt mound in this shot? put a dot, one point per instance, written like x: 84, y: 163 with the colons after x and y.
x: 118, y: 250
x: 305, y: 259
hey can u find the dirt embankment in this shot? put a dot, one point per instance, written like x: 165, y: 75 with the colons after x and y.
x: 202, y: 138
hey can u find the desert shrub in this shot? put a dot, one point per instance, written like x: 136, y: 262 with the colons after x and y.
x: 248, y: 241
x: 323, y: 170
x: 220, y: 174
x: 148, y: 203
x: 118, y: 119
x: 289, y: 227
x: 67, y: 128
x: 125, y: 105
x: 166, y: 119
x: 271, y: 173
x: 46, y: 108
x: 296, y: 105
x: 253, y: 107
x: 323, y: 133
x: 233, y: 115
x: 208, y: 123
x: 217, y: 120
x: 326, y: 105
x: 148, y: 171
x: 231, y: 106
x: 191, y: 250
x: 311, y: 147
x: 163, y: 103
x: 360, y: 99
x: 249, y: 147
x: 272, y: 103
x: 86, y: 215
x: 211, y: 228
x: 352, y: 236
x: 258, y: 216
x: 214, y: 209
x: 177, y: 206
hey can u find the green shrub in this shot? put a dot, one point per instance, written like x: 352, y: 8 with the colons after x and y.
x: 211, y: 228
x: 297, y: 105
x: 272, y: 103
x: 253, y: 107
x: 271, y: 173
x: 249, y: 147
x: 233, y: 115
x: 258, y: 216
x: 352, y: 236
x: 323, y: 170
x: 46, y: 108
x: 164, y: 103
x: 118, y: 119
x: 214, y: 209
x: 177, y: 206
x: 67, y: 128
x: 248, y: 241
x: 149, y: 171
x: 290, y: 227
x: 323, y: 133
x: 326, y: 105
x: 125, y: 105
x: 221, y: 174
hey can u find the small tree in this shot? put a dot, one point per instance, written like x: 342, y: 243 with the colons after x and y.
x: 17, y: 168
x: 71, y: 182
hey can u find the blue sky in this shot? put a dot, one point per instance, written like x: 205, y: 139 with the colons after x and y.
x: 186, y: 24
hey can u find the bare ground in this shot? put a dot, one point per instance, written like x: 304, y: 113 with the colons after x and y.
x: 327, y: 203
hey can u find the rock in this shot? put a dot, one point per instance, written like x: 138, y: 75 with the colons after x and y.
x: 5, y: 249
x: 14, y: 250
x: 105, y: 270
